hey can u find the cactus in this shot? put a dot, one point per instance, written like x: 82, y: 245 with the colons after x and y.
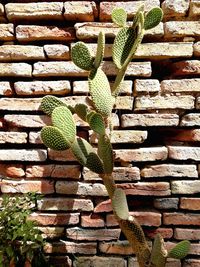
x: 62, y: 135
x: 180, y: 250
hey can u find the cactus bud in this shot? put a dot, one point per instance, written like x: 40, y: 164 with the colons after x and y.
x: 96, y: 123
x: 50, y: 102
x: 100, y: 50
x: 180, y: 250
x: 81, y: 110
x: 119, y: 204
x: 153, y: 18
x: 105, y: 152
x: 159, y: 253
x: 119, y: 17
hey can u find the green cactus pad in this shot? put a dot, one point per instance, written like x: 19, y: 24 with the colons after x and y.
x: 119, y: 17
x: 50, y: 102
x: 100, y: 50
x: 153, y: 18
x: 100, y: 92
x: 54, y: 138
x: 81, y: 110
x: 81, y: 149
x: 180, y: 251
x: 94, y: 163
x: 122, y: 46
x: 62, y: 119
x: 119, y: 204
x: 105, y: 152
x: 96, y: 123
x: 81, y: 56
x: 159, y: 253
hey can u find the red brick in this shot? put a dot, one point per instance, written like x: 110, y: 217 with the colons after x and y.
x: 52, y: 232
x: 58, y: 261
x: 191, y: 263
x: 118, y: 248
x: 187, y: 67
x: 181, y: 218
x: 92, y: 220
x: 189, y: 234
x: 190, y: 203
x: 165, y: 232
x: 188, y: 135
x: 12, y: 170
x: 99, y: 261
x: 104, y: 206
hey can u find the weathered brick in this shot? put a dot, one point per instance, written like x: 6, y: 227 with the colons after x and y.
x: 64, y: 247
x: 43, y: 187
x: 198, y: 103
x: 181, y: 28
x: 185, y: 187
x: 57, y: 261
x: 35, y: 138
x: 164, y: 102
x: 7, y: 32
x: 52, y: 232
x: 20, y: 104
x: 31, y: 33
x: 80, y: 11
x: 191, y: 263
x: 166, y: 203
x: 123, y: 136
x: 54, y: 218
x: 130, y: 7
x: 178, y: 8
x: 184, y: 152
x: 189, y: 234
x: 91, y: 30
x: 186, y: 67
x: 13, y: 138
x: 119, y: 174
x: 81, y: 87
x: 57, y: 51
x: 141, y: 154
x: 27, y: 121
x: 65, y: 155
x: 68, y: 68
x: 77, y: 233
x: 189, y: 135
x: 92, y: 220
x: 190, y: 119
x: 146, y: 189
x: 99, y: 261
x: 180, y: 86
x: 34, y: 11
x: 5, y: 89
x: 104, y: 206
x: 170, y: 170
x: 197, y: 49
x: 190, y: 203
x: 23, y: 155
x: 176, y: 218
x: 19, y: 52
x: 129, y: 120
x: 42, y: 87
x: 79, y: 188
x: 143, y: 217
x: 12, y: 170
x: 164, y: 232
x: 194, y: 8
x: 116, y: 247
x: 132, y: 262
x: 15, y: 70
x: 65, y: 204
x: 55, y: 171
x: 146, y: 86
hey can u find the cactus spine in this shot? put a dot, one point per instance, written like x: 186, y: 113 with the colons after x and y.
x: 62, y: 135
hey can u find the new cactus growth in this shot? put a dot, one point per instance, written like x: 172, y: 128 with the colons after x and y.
x: 62, y: 135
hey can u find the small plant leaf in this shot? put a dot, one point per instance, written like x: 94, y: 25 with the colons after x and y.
x: 96, y: 123
x: 100, y: 92
x: 153, y: 18
x: 50, y: 102
x: 54, y: 138
x: 62, y: 119
x: 180, y: 251
x: 119, y: 17
x: 119, y: 204
x: 100, y: 50
x: 81, y: 56
x: 81, y: 110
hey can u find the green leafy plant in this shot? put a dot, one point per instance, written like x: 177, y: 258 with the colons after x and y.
x: 20, y: 241
x: 62, y: 134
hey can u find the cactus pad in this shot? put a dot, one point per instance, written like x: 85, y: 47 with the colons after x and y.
x: 100, y: 50
x: 81, y: 110
x: 81, y: 56
x: 119, y: 204
x: 153, y: 18
x: 180, y: 250
x: 94, y: 163
x: 119, y: 17
x: 96, y: 123
x: 159, y: 253
x: 54, y: 138
x: 122, y: 46
x: 105, y: 152
x: 100, y: 92
x: 49, y: 103
x: 62, y: 119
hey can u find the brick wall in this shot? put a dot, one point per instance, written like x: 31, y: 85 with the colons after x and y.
x: 156, y: 127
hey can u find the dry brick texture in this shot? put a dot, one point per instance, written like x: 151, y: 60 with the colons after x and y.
x: 156, y: 127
